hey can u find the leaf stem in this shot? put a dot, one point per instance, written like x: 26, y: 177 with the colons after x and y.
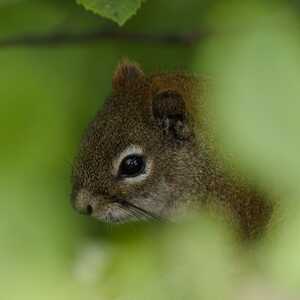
x: 66, y: 38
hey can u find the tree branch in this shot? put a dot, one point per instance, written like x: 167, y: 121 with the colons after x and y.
x: 64, y: 38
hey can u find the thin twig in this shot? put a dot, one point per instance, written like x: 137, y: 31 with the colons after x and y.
x: 65, y: 38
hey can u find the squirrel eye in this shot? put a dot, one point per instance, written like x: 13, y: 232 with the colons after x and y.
x: 132, y: 165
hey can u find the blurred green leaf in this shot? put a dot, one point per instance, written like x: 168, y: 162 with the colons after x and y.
x: 119, y: 11
x: 256, y: 102
x: 280, y: 256
x: 180, y: 261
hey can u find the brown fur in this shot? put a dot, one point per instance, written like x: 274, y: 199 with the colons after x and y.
x: 164, y: 114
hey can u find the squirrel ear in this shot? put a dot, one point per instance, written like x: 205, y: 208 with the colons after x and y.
x: 126, y: 73
x: 168, y: 108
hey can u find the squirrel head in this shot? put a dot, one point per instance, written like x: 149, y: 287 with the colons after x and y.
x: 136, y: 159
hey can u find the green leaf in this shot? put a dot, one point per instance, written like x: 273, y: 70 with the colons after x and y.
x: 117, y: 10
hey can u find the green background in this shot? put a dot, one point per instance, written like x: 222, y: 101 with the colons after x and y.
x: 47, y: 96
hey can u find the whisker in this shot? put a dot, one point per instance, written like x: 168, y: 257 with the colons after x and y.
x: 138, y: 214
x: 141, y: 211
x: 147, y: 213
x: 131, y: 212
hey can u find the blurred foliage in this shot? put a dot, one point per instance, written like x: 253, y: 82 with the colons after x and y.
x: 48, y: 95
x: 263, y: 98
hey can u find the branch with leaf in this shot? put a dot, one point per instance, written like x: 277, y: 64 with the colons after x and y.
x: 118, y: 12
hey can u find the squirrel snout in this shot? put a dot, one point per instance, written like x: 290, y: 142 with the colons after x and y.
x: 84, y: 203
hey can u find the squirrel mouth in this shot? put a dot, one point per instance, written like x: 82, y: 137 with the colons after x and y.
x: 121, y: 211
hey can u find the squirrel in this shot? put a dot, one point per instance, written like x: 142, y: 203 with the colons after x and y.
x: 148, y: 155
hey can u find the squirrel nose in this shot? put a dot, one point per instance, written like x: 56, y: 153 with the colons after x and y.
x: 84, y: 203
x: 89, y: 209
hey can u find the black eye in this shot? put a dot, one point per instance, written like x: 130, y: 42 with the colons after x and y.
x: 132, y: 165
